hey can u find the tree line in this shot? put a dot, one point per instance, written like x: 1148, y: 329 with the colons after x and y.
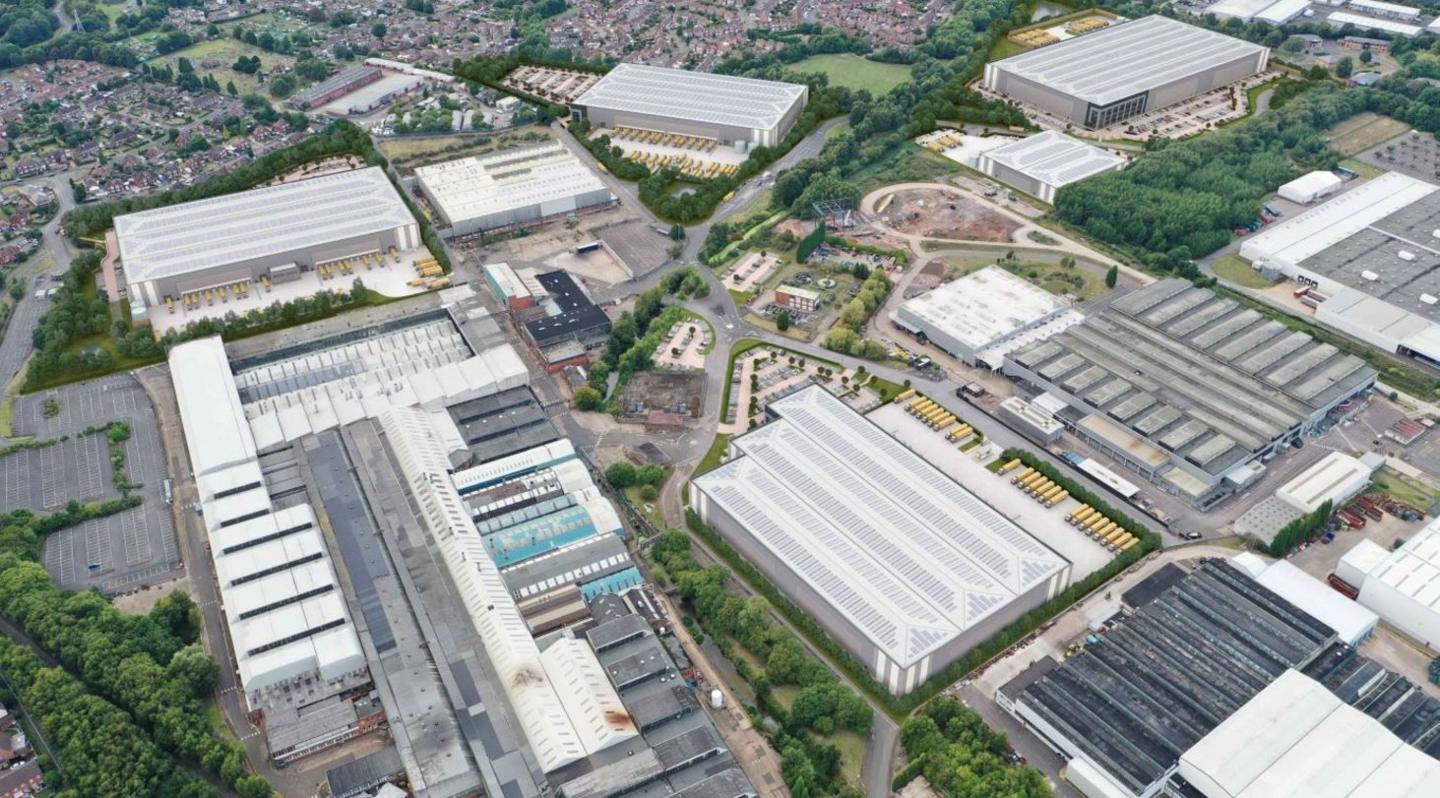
x: 150, y: 665
x: 810, y: 765
x: 101, y: 750
x: 960, y: 756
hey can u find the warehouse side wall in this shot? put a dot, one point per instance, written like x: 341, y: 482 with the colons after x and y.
x: 155, y: 291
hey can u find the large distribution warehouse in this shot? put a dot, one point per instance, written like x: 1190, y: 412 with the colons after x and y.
x: 725, y: 108
x: 511, y: 187
x: 273, y: 232
x: 1371, y: 258
x: 1124, y: 70
x: 904, y: 567
x: 1187, y: 388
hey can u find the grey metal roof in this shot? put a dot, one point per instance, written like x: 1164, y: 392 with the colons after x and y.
x: 903, y: 552
x: 1202, y: 377
x: 1126, y: 59
x: 1055, y: 159
x: 693, y: 96
x: 208, y: 233
x: 1169, y: 674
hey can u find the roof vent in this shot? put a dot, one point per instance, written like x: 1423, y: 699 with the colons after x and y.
x: 1369, y: 275
x: 1406, y: 255
x: 1429, y: 299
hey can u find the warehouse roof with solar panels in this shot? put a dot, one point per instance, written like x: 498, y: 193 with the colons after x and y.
x: 902, y: 554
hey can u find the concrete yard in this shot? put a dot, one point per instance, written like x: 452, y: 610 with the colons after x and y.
x: 1047, y: 524
x: 390, y: 280
x: 133, y: 548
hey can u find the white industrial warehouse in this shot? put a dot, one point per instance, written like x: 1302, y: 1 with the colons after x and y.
x: 729, y: 109
x: 429, y: 365
x: 903, y: 566
x: 1295, y: 738
x: 1042, y: 164
x: 1402, y: 586
x: 1275, y: 12
x: 1371, y: 259
x: 984, y: 315
x: 276, y: 233
x: 1353, y: 623
x: 1124, y: 70
x: 1335, y: 478
x: 565, y: 704
x: 286, y: 615
x: 1311, y: 186
x: 510, y: 187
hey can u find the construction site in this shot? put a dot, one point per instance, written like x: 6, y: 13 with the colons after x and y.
x: 936, y: 213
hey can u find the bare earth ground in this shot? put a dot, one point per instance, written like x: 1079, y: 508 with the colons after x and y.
x: 936, y: 214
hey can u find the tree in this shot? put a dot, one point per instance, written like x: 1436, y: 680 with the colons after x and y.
x: 194, y: 670
x: 677, y: 233
x: 1366, y: 56
x: 1345, y: 67
x: 282, y: 86
x: 650, y: 475
x: 587, y: 398
x: 649, y: 492
x: 379, y: 30
x: 1112, y: 276
x: 782, y: 320
x: 621, y: 474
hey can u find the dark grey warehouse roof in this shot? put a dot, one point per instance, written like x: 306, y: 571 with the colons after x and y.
x: 1127, y: 58
x: 576, y: 313
x: 1166, y: 676
x: 1204, y: 378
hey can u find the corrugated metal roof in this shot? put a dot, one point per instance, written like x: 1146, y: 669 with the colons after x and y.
x: 693, y: 96
x: 1055, y: 159
x: 1128, y: 58
x: 208, y: 233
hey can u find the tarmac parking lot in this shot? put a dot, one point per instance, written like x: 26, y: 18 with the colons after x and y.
x: 122, y: 552
x: 44, y: 479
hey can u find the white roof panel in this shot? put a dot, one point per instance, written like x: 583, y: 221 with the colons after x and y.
x: 481, y: 185
x: 1126, y: 59
x: 693, y: 96
x: 907, y: 555
x: 1055, y: 159
x: 1294, y: 739
x: 982, y: 307
x: 1352, y: 622
x: 208, y: 233
x: 205, y: 391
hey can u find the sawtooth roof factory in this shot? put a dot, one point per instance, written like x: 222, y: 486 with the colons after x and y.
x: 982, y: 316
x: 274, y: 232
x: 726, y: 108
x: 286, y: 614
x: 1125, y: 70
x: 1192, y: 668
x: 510, y: 188
x: 1042, y: 164
x: 1371, y: 258
x: 902, y: 565
x: 1189, y: 389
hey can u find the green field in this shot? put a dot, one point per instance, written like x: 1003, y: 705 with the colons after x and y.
x: 1239, y: 272
x: 219, y: 54
x: 853, y: 72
